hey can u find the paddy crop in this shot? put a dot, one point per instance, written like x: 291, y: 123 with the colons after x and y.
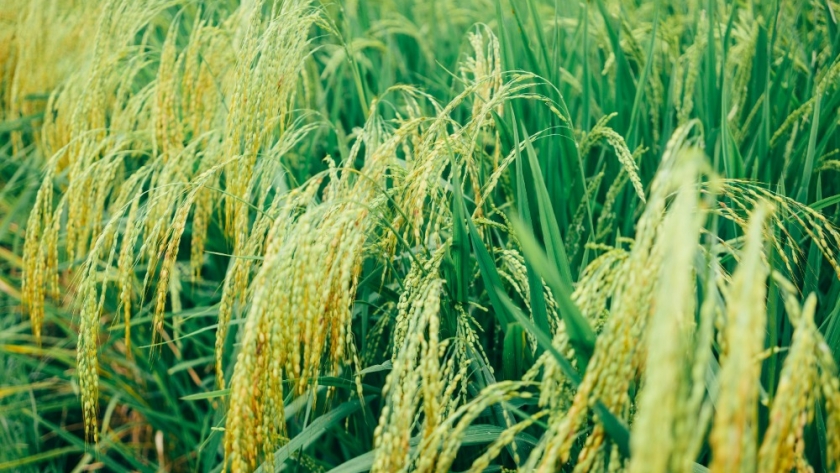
x: 494, y: 235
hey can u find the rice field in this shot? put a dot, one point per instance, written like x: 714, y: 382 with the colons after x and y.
x: 424, y: 236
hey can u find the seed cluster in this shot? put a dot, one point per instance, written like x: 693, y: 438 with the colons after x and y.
x: 175, y: 130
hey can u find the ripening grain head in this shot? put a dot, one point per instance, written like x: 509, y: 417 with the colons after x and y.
x: 595, y: 237
x: 733, y: 436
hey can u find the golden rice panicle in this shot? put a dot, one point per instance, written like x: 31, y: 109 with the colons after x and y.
x: 827, y: 82
x: 733, y: 437
x: 235, y: 286
x: 207, y: 60
x: 125, y: 267
x: 168, y: 137
x: 423, y: 200
x: 684, y: 88
x: 433, y: 146
x: 10, y: 15
x: 438, y: 450
x: 809, y: 375
x: 91, y: 302
x: 298, y: 323
x: 691, y: 426
x: 830, y: 386
x: 607, y: 217
x: 37, y: 271
x: 625, y: 157
x: 90, y: 305
x: 821, y: 232
x: 666, y: 389
x: 783, y: 446
x: 172, y: 241
x: 637, y: 294
x: 91, y: 140
x: 264, y: 82
x: 577, y: 226
x: 202, y: 214
x: 206, y: 55
x: 416, y: 379
x: 429, y: 378
x: 83, y: 150
x: 738, y: 65
x: 87, y: 359
x: 598, y: 280
x: 618, y: 356
x: 92, y: 157
x: 34, y: 62
x: 484, y: 69
x: 240, y: 448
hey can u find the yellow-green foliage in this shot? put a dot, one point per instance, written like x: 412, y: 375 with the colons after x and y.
x: 355, y: 207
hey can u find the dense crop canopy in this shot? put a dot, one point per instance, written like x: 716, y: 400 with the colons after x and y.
x: 427, y: 236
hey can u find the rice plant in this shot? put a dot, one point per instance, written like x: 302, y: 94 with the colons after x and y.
x: 493, y: 235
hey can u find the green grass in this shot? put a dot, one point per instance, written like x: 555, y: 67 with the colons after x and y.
x: 446, y: 235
